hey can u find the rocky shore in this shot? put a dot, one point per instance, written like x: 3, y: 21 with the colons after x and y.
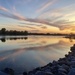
x: 64, y: 66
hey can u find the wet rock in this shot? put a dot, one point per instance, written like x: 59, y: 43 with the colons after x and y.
x: 24, y: 73
x: 35, y: 70
x: 62, y: 61
x: 49, y: 73
x: 54, y: 62
x: 72, y: 72
x: 73, y: 48
x: 66, y: 67
x: 45, y: 68
x: 62, y: 70
x: 61, y: 73
x: 50, y: 64
x: 9, y: 71
x: 2, y: 73
x: 54, y: 69
x: 43, y: 73
x: 30, y: 73
x: 40, y: 73
x: 72, y: 64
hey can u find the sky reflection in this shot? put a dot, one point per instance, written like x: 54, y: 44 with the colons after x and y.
x: 27, y: 54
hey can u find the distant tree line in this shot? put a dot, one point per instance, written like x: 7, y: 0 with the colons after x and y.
x: 3, y: 31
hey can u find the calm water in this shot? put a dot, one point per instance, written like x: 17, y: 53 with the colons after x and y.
x: 26, y: 53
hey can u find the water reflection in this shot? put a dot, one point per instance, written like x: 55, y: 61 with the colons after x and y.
x: 3, y: 39
x: 27, y: 53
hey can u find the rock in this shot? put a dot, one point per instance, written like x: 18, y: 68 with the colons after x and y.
x: 66, y: 55
x: 47, y: 70
x: 9, y: 71
x: 72, y: 63
x: 72, y: 72
x: 2, y: 73
x: 73, y: 48
x: 54, y: 69
x: 61, y: 73
x: 62, y: 70
x: 30, y: 73
x: 43, y: 73
x: 39, y: 68
x: 50, y: 64
x: 40, y: 73
x: 49, y: 73
x: 62, y: 61
x: 24, y: 73
x: 54, y: 62
x: 66, y: 67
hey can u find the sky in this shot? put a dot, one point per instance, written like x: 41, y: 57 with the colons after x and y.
x: 41, y: 16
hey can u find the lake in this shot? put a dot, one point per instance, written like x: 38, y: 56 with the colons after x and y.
x: 24, y: 53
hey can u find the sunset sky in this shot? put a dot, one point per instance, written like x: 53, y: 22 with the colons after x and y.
x: 45, y: 16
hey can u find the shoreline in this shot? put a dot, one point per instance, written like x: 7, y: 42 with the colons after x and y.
x: 64, y: 66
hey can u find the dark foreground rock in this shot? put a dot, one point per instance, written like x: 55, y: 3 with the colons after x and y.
x: 2, y: 73
x: 8, y: 71
x: 72, y: 71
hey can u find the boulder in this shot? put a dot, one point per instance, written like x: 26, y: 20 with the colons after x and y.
x: 62, y: 70
x: 9, y: 71
x: 43, y: 73
x: 72, y: 72
x: 24, y: 73
x: 73, y: 48
x: 2, y: 73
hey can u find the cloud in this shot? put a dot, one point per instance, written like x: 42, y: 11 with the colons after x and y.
x: 30, y: 23
x: 21, y: 18
x: 18, y: 16
x: 37, y: 21
x: 44, y: 27
x: 21, y: 2
x: 68, y: 27
x: 4, y: 9
x: 30, y: 27
x: 45, y: 5
x: 33, y: 25
x: 34, y: 30
x: 42, y: 21
x: 60, y: 17
x: 58, y: 13
x: 13, y: 16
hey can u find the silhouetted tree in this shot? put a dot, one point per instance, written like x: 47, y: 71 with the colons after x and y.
x: 3, y: 31
x: 25, y: 32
